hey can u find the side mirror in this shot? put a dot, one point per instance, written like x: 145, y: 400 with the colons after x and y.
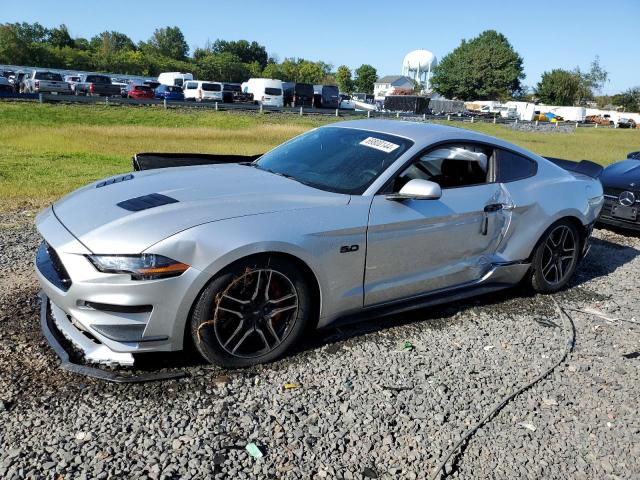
x: 417, y: 190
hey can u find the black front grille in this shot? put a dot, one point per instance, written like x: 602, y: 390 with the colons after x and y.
x: 49, y: 264
x: 617, y: 191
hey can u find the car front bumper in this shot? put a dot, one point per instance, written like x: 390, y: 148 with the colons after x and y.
x: 108, y: 317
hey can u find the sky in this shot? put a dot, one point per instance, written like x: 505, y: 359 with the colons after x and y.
x: 546, y: 34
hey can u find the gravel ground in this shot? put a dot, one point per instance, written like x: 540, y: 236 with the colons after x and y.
x: 366, y: 407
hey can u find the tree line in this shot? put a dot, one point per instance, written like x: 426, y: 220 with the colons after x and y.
x: 165, y: 51
x: 487, y: 67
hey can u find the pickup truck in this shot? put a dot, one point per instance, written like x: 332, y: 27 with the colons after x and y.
x: 43, y: 81
x: 100, y: 85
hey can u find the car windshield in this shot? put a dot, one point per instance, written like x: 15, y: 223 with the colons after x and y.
x: 56, y: 77
x: 340, y: 160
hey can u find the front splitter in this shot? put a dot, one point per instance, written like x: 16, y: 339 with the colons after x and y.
x: 54, y: 338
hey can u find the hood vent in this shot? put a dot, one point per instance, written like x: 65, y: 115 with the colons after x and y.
x: 146, y: 201
x: 111, y: 181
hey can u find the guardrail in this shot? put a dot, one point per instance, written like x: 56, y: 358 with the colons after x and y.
x: 248, y: 107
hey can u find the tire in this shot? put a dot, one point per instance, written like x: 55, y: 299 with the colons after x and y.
x: 235, y: 323
x: 556, y: 257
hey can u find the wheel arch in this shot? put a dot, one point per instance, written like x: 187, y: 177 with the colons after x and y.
x: 309, y: 276
x: 575, y: 220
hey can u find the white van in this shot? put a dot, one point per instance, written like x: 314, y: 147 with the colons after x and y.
x: 197, y: 90
x: 174, y: 79
x: 266, y: 91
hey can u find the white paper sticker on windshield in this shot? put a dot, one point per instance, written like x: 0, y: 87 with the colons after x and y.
x: 378, y: 144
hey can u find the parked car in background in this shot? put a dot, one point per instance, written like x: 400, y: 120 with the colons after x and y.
x: 174, y: 78
x: 624, y: 122
x: 200, y: 91
x: 621, y: 185
x: 303, y: 95
x: 140, y: 92
x: 169, y: 92
x: 287, y: 93
x: 346, y: 103
x: 266, y: 91
x: 44, y: 81
x: 5, y: 86
x: 326, y: 96
x: 72, y: 80
x: 232, y: 92
x: 7, y: 73
x: 93, y: 84
x: 18, y: 81
x: 151, y: 83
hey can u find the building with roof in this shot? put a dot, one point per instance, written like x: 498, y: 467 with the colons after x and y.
x: 386, y: 85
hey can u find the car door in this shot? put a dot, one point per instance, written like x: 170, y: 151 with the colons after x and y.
x: 420, y: 246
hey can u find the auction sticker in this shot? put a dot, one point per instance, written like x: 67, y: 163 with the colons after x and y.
x: 378, y: 144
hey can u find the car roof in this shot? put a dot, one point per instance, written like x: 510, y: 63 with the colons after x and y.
x: 425, y: 134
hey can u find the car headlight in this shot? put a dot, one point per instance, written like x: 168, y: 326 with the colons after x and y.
x: 146, y: 266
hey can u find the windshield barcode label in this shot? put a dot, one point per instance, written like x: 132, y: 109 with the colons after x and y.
x: 378, y: 144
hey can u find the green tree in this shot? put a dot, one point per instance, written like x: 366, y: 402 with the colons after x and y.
x: 343, y: 79
x: 245, y: 51
x: 629, y: 100
x: 483, y: 68
x: 168, y: 42
x: 107, y: 43
x: 310, y: 72
x: 14, y: 50
x: 559, y: 87
x: 366, y: 76
x: 223, y: 67
x: 60, y: 37
x: 273, y: 70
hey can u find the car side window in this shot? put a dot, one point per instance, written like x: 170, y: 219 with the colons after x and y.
x: 512, y: 167
x: 191, y: 86
x: 450, y: 166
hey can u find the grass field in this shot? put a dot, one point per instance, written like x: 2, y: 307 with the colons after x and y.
x: 49, y: 150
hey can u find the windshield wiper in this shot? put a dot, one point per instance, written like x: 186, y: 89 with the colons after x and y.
x: 280, y: 174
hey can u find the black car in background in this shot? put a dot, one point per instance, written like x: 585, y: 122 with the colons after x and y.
x: 232, y: 92
x: 303, y: 95
x: 621, y: 185
x: 326, y: 96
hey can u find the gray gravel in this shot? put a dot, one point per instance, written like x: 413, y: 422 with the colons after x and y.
x: 366, y: 407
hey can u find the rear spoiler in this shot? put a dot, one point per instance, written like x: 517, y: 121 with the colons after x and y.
x: 583, y: 167
x: 152, y: 161
x: 634, y: 155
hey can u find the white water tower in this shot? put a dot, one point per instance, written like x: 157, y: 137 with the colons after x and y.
x: 418, y: 65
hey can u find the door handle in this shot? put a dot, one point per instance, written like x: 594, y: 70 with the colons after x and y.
x: 493, y: 207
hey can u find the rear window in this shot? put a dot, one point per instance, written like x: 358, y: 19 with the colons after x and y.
x: 178, y: 82
x: 175, y: 89
x: 211, y: 87
x: 273, y: 91
x: 192, y: 86
x: 330, y: 91
x: 512, y: 167
x: 304, y: 89
x: 230, y: 87
x: 98, y: 79
x: 54, y: 77
x: 142, y: 88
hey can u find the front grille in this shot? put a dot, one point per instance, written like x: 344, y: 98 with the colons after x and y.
x: 49, y: 264
x: 615, y: 192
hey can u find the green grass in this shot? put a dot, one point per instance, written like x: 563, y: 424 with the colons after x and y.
x: 49, y: 150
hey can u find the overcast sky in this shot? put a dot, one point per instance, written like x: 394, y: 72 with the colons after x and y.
x: 547, y: 34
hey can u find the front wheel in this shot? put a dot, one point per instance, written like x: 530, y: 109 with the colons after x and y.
x: 252, y: 312
x: 556, y: 257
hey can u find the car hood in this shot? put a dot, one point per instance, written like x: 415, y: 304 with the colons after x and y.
x: 622, y: 174
x: 203, y: 194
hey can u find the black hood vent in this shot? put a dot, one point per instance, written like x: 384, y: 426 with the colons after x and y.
x: 146, y: 201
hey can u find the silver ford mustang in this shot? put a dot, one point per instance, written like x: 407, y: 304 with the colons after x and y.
x: 350, y: 220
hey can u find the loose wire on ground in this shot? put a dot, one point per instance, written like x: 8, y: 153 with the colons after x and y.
x: 570, y: 331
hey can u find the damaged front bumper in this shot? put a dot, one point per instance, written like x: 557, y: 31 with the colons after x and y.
x: 58, y: 329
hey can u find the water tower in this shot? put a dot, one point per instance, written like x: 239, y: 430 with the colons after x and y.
x: 418, y: 65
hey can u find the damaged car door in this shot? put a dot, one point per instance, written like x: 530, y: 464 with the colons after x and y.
x: 421, y: 245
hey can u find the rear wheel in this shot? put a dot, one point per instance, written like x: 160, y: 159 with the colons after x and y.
x: 556, y: 257
x: 251, y: 313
